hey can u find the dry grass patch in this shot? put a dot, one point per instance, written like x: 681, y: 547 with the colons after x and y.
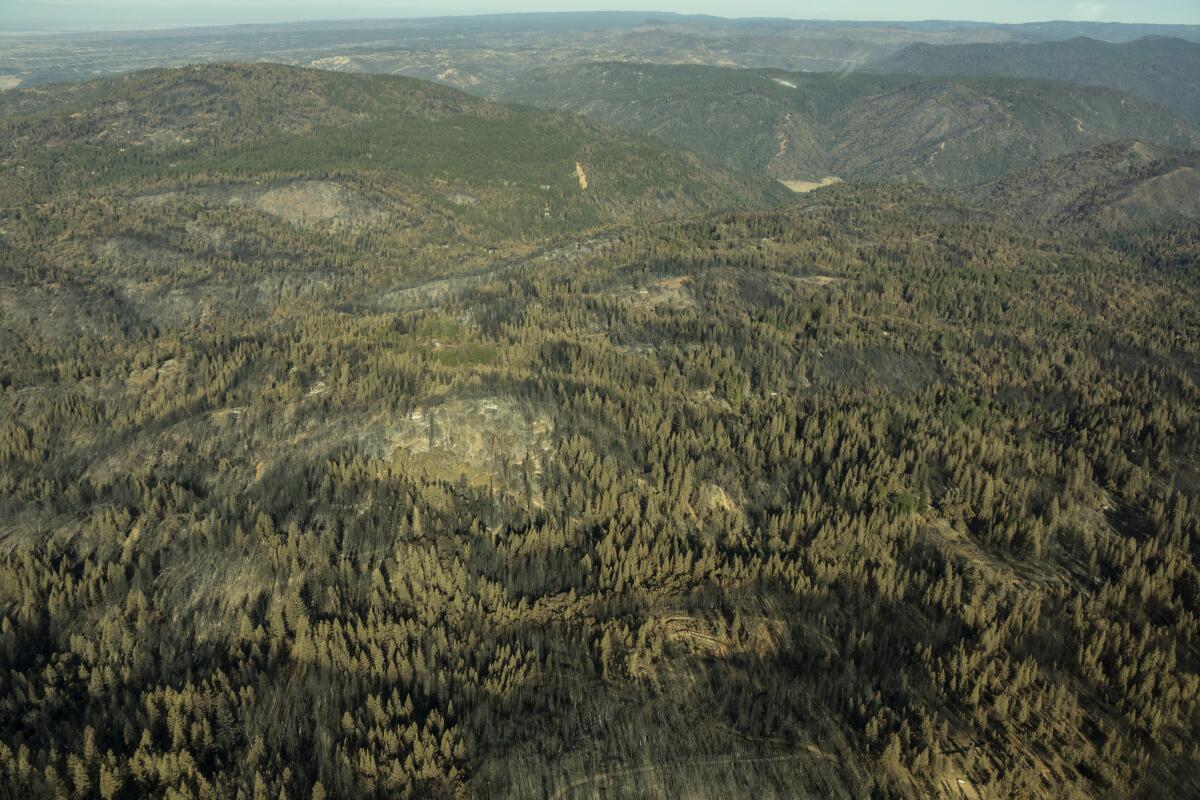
x: 801, y: 187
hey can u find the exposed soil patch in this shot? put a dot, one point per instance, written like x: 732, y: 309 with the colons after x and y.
x: 331, y: 62
x: 800, y: 187
x: 674, y: 292
x: 715, y: 637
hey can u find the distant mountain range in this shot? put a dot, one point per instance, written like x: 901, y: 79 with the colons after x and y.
x: 50, y: 42
x: 1159, y: 69
x: 803, y: 127
x: 1061, y: 30
x: 76, y: 16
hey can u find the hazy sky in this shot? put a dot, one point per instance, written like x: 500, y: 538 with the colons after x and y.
x: 1159, y: 11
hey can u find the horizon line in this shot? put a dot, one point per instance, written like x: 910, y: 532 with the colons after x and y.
x: 116, y: 25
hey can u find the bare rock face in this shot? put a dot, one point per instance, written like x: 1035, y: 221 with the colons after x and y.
x: 316, y: 204
x: 494, y: 441
x: 303, y: 203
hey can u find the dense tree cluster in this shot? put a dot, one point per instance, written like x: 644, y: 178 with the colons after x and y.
x: 866, y: 497
x: 863, y: 483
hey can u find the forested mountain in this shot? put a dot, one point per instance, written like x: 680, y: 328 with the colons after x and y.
x: 49, y: 42
x: 949, y: 132
x: 340, y: 458
x: 1119, y: 184
x: 1159, y: 69
x: 410, y: 144
x: 1117, y: 32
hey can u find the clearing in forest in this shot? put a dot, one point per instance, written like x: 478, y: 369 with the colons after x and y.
x: 807, y: 186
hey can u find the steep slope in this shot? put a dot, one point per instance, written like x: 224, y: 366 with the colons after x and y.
x: 805, y: 127
x: 960, y: 132
x: 1159, y: 69
x: 215, y: 124
x: 1115, y: 184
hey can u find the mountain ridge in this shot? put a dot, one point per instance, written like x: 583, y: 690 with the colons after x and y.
x: 1116, y: 185
x: 281, y: 120
x: 1159, y: 69
x: 950, y: 133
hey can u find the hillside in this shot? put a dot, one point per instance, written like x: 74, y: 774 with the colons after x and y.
x: 805, y: 127
x: 410, y: 143
x: 868, y: 495
x: 1117, y: 185
x: 1155, y: 68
